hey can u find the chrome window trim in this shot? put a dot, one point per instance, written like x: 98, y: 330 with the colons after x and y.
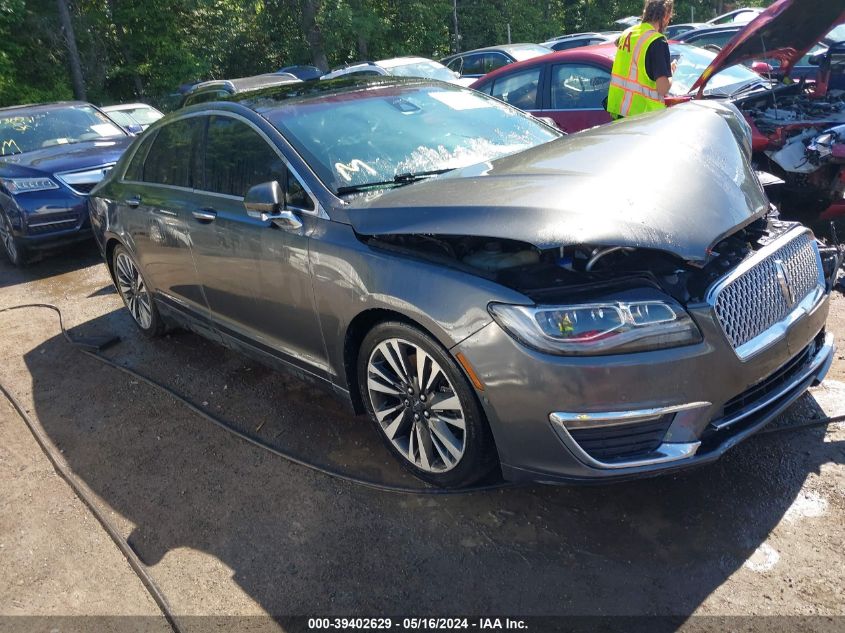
x: 318, y: 210
x: 777, y: 331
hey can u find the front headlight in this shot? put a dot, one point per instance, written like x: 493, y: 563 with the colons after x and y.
x: 27, y: 185
x: 598, y: 328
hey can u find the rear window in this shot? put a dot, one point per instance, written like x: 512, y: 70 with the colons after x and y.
x: 168, y: 161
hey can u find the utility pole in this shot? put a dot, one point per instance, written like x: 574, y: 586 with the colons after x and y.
x: 455, y: 26
x: 72, y: 51
x: 509, y: 32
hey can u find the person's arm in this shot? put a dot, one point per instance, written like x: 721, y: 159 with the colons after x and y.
x: 659, y: 66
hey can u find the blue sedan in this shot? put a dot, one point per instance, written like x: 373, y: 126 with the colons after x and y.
x: 51, y: 156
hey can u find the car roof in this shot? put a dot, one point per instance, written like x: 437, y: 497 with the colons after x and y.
x: 572, y: 36
x: 400, y: 61
x: 706, y: 30
x: 597, y: 53
x: 243, y: 84
x: 44, y: 106
x: 266, y: 99
x: 507, y: 48
x: 126, y: 106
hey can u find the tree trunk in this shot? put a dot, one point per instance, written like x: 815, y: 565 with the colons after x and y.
x: 455, y: 26
x: 312, y: 33
x: 72, y: 51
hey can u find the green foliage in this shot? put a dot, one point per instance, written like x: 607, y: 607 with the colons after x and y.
x: 144, y: 49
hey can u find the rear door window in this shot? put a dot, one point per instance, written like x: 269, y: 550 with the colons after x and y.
x: 492, y: 61
x: 237, y: 158
x: 473, y: 65
x: 135, y: 169
x: 168, y: 161
x: 579, y: 87
x: 519, y: 89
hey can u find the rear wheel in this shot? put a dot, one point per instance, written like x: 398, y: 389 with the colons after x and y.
x: 423, y: 406
x: 135, y: 293
x: 12, y: 246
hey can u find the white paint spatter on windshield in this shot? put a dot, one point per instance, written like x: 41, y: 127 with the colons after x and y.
x: 763, y: 559
x: 806, y: 505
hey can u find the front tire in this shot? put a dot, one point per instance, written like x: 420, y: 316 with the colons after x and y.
x: 135, y: 293
x: 423, y: 407
x: 12, y: 246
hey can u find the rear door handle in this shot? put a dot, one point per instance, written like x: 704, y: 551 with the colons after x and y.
x: 133, y: 202
x: 205, y: 215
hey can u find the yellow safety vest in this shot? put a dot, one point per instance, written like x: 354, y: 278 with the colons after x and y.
x: 632, y: 92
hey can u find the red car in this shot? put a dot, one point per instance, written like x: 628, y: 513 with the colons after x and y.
x: 797, y: 130
x: 571, y: 86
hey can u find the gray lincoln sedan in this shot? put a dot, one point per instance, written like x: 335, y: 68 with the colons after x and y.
x: 492, y: 294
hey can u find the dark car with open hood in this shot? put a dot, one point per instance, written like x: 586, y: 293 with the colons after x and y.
x: 490, y: 293
x: 51, y: 156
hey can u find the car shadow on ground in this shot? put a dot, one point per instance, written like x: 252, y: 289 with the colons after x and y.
x: 52, y: 264
x: 298, y: 542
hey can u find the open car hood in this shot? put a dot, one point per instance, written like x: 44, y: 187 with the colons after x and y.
x: 677, y: 181
x: 785, y: 32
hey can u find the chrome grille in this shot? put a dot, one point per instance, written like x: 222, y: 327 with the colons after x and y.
x: 83, y: 181
x: 763, y: 295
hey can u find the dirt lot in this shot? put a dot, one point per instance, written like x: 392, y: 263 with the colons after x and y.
x: 227, y: 528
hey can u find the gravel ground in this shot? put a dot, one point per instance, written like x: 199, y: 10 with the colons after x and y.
x: 227, y: 528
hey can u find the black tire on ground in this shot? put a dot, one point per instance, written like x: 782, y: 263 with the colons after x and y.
x: 13, y: 248
x: 429, y: 429
x: 136, y: 296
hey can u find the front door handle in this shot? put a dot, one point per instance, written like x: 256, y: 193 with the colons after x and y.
x: 205, y: 215
x: 133, y: 202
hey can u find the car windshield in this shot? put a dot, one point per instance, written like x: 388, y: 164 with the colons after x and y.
x: 142, y: 115
x: 380, y: 132
x: 692, y: 61
x: 427, y: 69
x: 521, y: 53
x: 28, y: 130
x: 837, y: 34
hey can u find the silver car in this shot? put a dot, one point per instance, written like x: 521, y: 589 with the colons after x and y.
x: 492, y: 294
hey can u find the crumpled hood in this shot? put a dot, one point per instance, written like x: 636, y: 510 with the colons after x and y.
x: 60, y: 158
x: 676, y: 181
x: 785, y: 31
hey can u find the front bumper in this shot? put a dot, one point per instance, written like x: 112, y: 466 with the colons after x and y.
x: 554, y: 418
x: 49, y: 219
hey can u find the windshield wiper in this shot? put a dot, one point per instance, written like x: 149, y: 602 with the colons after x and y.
x: 757, y: 83
x: 398, y: 181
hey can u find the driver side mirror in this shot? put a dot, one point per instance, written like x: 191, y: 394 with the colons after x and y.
x: 134, y: 128
x: 265, y: 202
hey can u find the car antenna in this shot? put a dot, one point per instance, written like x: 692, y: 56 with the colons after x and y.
x: 765, y: 56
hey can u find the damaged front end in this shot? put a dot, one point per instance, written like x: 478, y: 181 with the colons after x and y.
x: 579, y: 273
x: 801, y: 141
x: 798, y: 134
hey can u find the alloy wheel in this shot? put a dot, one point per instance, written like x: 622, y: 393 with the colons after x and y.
x: 416, y: 405
x: 133, y: 290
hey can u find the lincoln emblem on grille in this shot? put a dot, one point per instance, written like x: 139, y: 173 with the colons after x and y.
x: 785, y: 283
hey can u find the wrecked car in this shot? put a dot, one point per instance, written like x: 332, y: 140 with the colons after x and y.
x: 790, y: 123
x: 491, y: 293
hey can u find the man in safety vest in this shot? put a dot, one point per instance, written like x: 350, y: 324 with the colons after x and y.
x: 642, y: 70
